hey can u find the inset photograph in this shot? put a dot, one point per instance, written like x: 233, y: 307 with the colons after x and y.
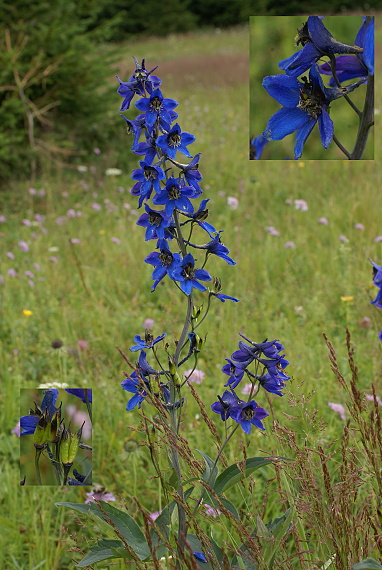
x: 56, y: 436
x: 311, y: 87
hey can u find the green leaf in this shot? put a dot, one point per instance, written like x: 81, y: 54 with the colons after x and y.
x: 126, y: 525
x: 233, y: 475
x: 96, y: 555
x: 226, y: 504
x: 367, y: 563
x: 211, y: 471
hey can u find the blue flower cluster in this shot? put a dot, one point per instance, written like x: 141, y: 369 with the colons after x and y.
x: 377, y: 280
x: 306, y: 102
x: 156, y: 180
x: 166, y: 188
x: 146, y: 380
x: 269, y: 373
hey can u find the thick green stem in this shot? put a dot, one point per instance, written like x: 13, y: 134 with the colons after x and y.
x: 37, y: 466
x: 366, y: 121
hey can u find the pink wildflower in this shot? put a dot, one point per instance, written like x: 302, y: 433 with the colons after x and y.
x: 233, y: 202
x: 339, y: 408
x: 197, y: 376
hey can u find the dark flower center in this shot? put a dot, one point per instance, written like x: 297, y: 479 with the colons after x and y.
x: 165, y: 257
x: 140, y: 74
x: 149, y: 173
x: 303, y: 35
x: 311, y: 98
x: 188, y: 271
x: 174, y: 192
x: 155, y: 219
x: 202, y: 215
x: 248, y: 414
x: 174, y: 139
x: 156, y: 103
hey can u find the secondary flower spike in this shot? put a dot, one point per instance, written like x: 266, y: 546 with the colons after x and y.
x: 304, y: 105
x: 317, y: 41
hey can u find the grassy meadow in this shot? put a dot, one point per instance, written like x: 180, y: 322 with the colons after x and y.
x: 72, y: 269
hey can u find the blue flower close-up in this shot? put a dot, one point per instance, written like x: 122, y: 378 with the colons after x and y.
x: 189, y: 277
x: 304, y: 105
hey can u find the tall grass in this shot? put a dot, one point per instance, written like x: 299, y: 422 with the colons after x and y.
x: 98, y: 290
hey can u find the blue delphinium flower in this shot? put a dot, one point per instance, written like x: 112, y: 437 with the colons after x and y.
x: 148, y: 342
x: 148, y: 179
x: 28, y: 423
x: 175, y: 141
x: 250, y: 414
x: 138, y: 82
x: 271, y: 383
x: 133, y: 384
x: 155, y: 223
x: 304, y: 105
x: 164, y: 262
x: 234, y: 372
x: 188, y: 276
x: 191, y: 173
x: 173, y: 196
x: 226, y: 405
x: 200, y: 217
x: 80, y: 393
x: 353, y: 66
x: 216, y: 247
x: 135, y: 127
x: 156, y: 108
x: 317, y: 42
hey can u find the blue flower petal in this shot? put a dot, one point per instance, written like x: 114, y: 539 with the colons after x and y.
x: 300, y: 61
x: 301, y: 136
x: 368, y: 53
x: 325, y: 124
x: 283, y: 88
x: 284, y: 122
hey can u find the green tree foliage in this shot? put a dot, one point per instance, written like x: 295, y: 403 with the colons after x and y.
x: 49, y: 78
